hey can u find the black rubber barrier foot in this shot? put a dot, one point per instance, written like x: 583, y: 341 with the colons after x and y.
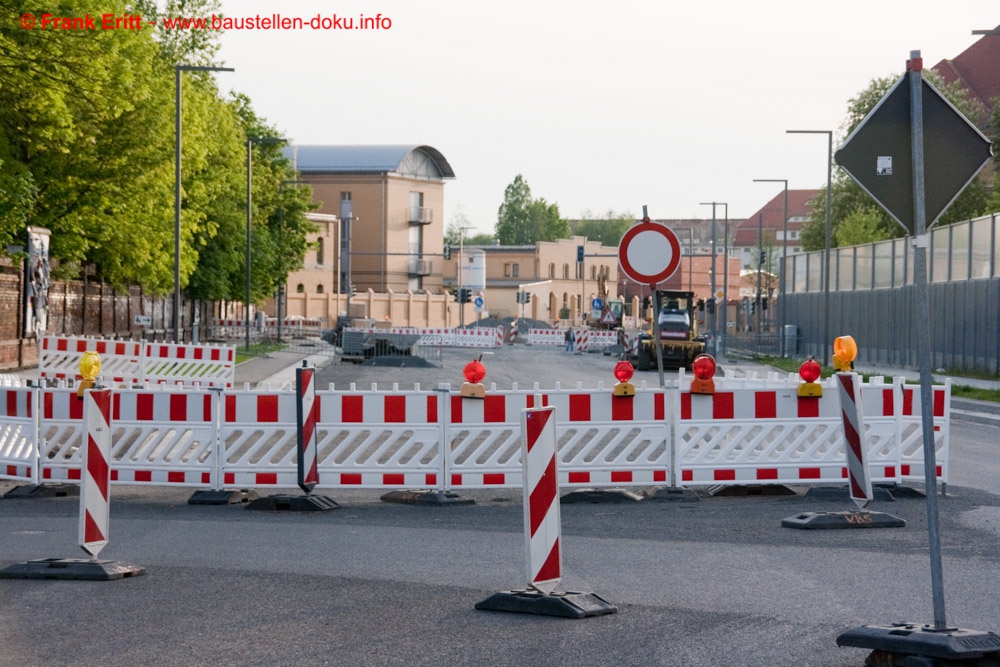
x: 426, y: 497
x: 913, y: 644
x: 293, y: 504
x: 606, y: 496
x: 674, y: 494
x: 43, y: 491
x: 72, y: 568
x: 565, y: 605
x: 843, y: 493
x: 223, y: 497
x: 829, y: 520
x: 740, y: 491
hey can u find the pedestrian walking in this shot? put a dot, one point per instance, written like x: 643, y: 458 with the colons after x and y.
x: 570, y: 340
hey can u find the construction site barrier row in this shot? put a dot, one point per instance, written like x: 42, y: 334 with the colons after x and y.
x: 749, y: 432
x: 136, y: 363
x: 585, y: 340
x: 472, y: 337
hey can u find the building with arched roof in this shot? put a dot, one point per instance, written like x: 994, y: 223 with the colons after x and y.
x: 395, y: 198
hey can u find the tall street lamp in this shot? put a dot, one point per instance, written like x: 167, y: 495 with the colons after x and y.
x: 281, y: 228
x: 827, y: 345
x: 177, y: 185
x: 713, y: 320
x: 251, y: 139
x: 784, y: 259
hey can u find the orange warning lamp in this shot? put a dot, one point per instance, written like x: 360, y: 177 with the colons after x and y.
x: 704, y: 369
x: 474, y: 373
x: 623, y: 373
x: 845, y: 351
x: 90, y: 368
x: 809, y: 371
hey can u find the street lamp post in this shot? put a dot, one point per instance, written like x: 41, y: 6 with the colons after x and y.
x: 827, y: 344
x: 250, y: 141
x: 713, y: 320
x: 281, y: 228
x: 784, y: 259
x: 177, y: 185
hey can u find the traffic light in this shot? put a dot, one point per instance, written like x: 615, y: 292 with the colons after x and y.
x: 579, y: 254
x: 464, y: 295
x: 647, y: 301
x: 447, y: 252
x: 710, y: 306
x: 701, y: 304
x: 763, y: 303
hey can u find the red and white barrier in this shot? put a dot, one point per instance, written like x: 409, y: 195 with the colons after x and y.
x: 852, y: 417
x: 95, y: 491
x: 135, y: 363
x: 541, y: 498
x: 546, y: 337
x: 18, y: 435
x: 306, y: 409
x: 750, y: 431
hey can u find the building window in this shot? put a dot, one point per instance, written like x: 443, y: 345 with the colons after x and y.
x: 300, y: 288
x: 319, y: 251
x: 593, y: 273
x: 566, y: 271
x: 319, y: 288
x: 552, y: 270
x: 510, y: 270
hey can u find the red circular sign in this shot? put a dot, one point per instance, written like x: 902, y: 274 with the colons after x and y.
x: 649, y: 253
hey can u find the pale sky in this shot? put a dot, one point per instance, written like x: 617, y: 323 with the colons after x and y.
x: 598, y: 104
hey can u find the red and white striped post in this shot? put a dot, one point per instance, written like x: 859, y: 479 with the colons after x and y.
x: 306, y: 412
x: 95, y: 496
x: 541, y: 498
x: 854, y: 428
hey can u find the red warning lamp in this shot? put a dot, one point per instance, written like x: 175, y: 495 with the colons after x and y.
x: 704, y: 370
x: 623, y: 373
x: 810, y: 371
x: 474, y: 373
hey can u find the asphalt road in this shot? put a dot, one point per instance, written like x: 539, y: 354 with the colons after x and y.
x: 714, y: 582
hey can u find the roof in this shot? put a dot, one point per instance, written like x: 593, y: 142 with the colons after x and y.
x: 770, y: 216
x: 405, y: 160
x: 976, y: 68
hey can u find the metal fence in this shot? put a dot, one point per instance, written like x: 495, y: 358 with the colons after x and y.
x: 873, y: 298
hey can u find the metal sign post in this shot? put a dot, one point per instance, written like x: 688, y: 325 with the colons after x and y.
x: 957, y: 151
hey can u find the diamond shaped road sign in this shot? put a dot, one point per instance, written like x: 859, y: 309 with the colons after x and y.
x: 879, y: 156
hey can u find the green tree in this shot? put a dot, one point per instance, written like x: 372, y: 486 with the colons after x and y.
x: 513, y: 218
x: 608, y: 229
x: 850, y: 200
x: 545, y: 221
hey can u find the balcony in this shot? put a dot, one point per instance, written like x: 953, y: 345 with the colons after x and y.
x: 420, y: 267
x: 418, y: 215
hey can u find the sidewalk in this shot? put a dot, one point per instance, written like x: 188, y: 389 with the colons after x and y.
x: 276, y: 369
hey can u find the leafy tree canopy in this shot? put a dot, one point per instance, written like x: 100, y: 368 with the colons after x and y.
x: 608, y: 229
x: 522, y: 220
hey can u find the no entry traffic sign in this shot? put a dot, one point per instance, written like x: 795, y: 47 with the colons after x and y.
x: 649, y: 253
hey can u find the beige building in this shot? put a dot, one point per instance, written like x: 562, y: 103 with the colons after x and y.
x: 547, y: 271
x: 384, y: 203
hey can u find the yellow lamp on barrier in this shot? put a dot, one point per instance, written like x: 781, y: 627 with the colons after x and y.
x: 845, y: 351
x: 623, y: 373
x: 810, y: 370
x: 90, y: 368
x: 703, y: 367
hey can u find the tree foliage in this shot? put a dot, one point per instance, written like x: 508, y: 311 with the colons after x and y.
x: 522, y: 220
x: 608, y: 229
x: 853, y: 206
x: 87, y: 151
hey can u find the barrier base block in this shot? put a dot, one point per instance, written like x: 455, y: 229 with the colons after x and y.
x: 223, y: 497
x: 673, y: 494
x: 72, y: 568
x: 282, y: 503
x: 565, y: 605
x: 427, y: 497
x: 843, y: 493
x: 830, y: 520
x: 51, y: 490
x: 606, y: 496
x: 740, y: 491
x: 916, y: 645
